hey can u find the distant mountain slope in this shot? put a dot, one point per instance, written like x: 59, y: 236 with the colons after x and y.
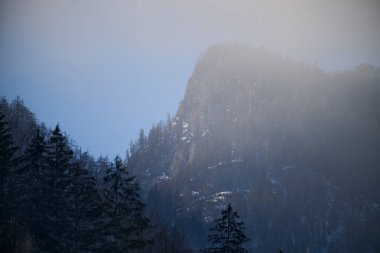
x: 294, y: 149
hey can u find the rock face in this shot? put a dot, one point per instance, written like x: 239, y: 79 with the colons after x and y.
x: 295, y: 150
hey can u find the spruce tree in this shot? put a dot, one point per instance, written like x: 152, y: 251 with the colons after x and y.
x: 56, y: 224
x: 7, y: 151
x: 227, y: 235
x: 8, y: 233
x: 84, y: 209
x: 31, y: 178
x: 124, y: 220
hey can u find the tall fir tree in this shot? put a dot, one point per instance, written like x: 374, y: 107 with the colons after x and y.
x: 56, y: 206
x: 227, y: 235
x: 124, y: 220
x: 84, y: 208
x: 31, y: 180
x: 23, y: 124
x: 8, y: 164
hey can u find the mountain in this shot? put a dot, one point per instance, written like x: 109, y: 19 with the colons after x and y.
x: 295, y: 150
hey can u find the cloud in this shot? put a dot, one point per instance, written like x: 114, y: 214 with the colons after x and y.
x: 341, y: 32
x: 84, y: 32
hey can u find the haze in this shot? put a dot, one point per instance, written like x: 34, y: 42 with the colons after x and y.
x: 105, y: 69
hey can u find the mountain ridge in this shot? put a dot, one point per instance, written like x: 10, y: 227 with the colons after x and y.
x: 293, y: 147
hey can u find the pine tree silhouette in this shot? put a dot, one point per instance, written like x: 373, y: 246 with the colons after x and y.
x: 227, y: 235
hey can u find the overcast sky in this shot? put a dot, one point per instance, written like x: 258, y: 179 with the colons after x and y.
x: 105, y: 69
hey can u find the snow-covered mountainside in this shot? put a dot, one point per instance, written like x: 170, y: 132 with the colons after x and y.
x: 295, y: 150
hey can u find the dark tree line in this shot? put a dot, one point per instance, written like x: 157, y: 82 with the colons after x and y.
x: 55, y: 198
x: 49, y: 195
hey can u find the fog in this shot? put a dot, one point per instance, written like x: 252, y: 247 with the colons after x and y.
x: 334, y: 34
x: 271, y: 111
x: 118, y: 53
x: 311, y: 30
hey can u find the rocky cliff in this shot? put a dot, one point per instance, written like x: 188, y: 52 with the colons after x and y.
x: 294, y: 149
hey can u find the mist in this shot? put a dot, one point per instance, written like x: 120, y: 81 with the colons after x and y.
x: 80, y: 32
x: 95, y: 49
x: 140, y: 126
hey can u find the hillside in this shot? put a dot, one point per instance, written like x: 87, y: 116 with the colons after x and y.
x: 294, y: 149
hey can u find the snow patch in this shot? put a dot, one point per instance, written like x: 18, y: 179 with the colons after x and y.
x: 147, y: 172
x: 286, y: 168
x: 237, y: 160
x: 207, y: 219
x: 194, y: 193
x: 220, y: 196
x: 163, y: 177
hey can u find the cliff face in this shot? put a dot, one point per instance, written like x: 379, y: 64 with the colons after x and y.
x: 295, y: 150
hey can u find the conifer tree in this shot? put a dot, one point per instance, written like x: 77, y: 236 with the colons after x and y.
x: 22, y: 123
x: 31, y: 178
x: 84, y: 208
x: 8, y: 237
x: 7, y: 151
x: 124, y: 220
x: 56, y: 224
x: 227, y: 235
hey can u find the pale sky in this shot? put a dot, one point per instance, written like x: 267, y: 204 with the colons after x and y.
x: 105, y: 69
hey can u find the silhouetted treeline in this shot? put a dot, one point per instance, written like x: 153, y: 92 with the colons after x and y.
x: 55, y: 198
